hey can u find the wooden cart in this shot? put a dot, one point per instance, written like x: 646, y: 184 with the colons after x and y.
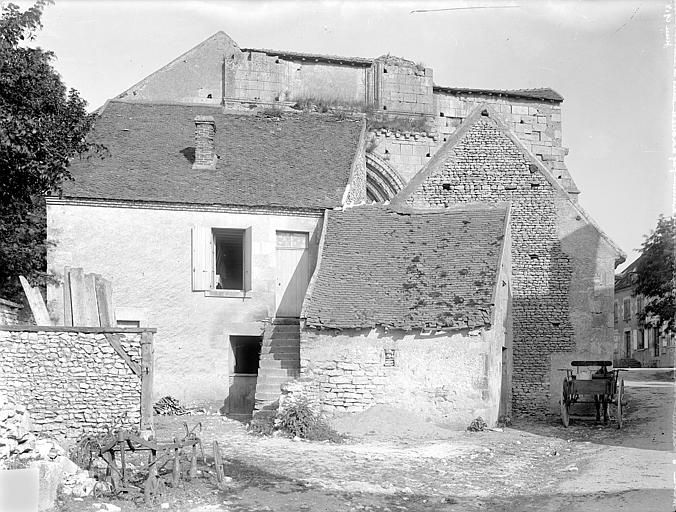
x: 601, y: 387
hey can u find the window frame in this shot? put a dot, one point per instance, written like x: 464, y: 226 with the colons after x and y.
x: 626, y: 309
x: 203, y: 264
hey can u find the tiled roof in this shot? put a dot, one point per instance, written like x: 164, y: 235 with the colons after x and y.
x: 334, y: 59
x: 407, y: 268
x: 299, y: 161
x: 627, y: 278
x: 530, y: 94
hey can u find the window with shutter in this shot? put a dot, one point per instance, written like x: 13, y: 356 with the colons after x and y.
x: 221, y: 259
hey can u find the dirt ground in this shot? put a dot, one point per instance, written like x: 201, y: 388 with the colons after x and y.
x: 393, y: 461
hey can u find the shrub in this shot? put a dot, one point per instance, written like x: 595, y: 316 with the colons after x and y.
x: 262, y: 424
x: 273, y: 112
x: 478, y: 425
x: 298, y: 419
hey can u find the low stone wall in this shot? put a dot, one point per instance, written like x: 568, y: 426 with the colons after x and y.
x: 78, y: 379
x: 450, y: 378
x: 9, y: 312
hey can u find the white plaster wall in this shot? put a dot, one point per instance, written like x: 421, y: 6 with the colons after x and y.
x: 450, y: 378
x: 147, y: 255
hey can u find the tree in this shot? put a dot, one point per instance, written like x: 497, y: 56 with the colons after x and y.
x: 42, y: 126
x: 655, y: 275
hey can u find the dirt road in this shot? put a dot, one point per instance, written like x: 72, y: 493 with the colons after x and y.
x: 396, y: 462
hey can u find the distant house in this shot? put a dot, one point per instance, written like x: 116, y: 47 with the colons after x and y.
x: 208, y: 213
x: 412, y: 308
x: 648, y: 344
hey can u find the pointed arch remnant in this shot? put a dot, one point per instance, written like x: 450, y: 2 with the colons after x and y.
x: 382, y: 181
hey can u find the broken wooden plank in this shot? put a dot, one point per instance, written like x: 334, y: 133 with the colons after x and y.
x: 77, y: 294
x: 36, y: 303
x: 91, y: 309
x: 114, y: 340
x: 67, y: 305
x: 104, y: 301
x: 83, y: 298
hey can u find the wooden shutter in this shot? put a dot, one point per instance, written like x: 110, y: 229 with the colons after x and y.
x: 202, y: 258
x: 246, y: 260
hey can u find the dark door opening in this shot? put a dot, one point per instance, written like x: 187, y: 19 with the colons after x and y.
x: 243, y: 374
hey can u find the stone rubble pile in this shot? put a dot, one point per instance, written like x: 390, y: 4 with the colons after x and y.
x: 15, y: 435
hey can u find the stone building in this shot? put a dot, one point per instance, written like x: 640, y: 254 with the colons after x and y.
x: 412, y: 308
x: 424, y: 144
x: 208, y: 252
x: 650, y: 345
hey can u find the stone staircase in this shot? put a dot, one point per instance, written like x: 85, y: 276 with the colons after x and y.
x: 279, y: 361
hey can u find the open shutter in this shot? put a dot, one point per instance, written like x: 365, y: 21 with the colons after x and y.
x: 246, y: 261
x: 202, y: 258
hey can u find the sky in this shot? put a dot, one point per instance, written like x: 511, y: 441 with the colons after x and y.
x: 612, y: 62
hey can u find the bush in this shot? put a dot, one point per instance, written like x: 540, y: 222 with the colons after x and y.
x: 272, y: 112
x: 298, y: 419
x: 478, y: 425
x: 262, y: 424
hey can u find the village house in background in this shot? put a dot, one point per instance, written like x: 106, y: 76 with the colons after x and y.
x: 650, y: 345
x: 228, y: 218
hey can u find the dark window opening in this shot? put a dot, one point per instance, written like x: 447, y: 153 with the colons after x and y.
x: 389, y: 357
x: 534, y: 256
x: 656, y: 342
x: 209, y: 96
x: 384, y: 107
x: 229, y: 258
x: 384, y: 70
x: 446, y: 186
x: 441, y: 114
x: 247, y: 351
x: 427, y: 155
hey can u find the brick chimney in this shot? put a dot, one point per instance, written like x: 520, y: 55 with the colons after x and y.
x: 205, y: 150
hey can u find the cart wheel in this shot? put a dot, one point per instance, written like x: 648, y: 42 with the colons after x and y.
x: 565, y: 405
x: 620, y: 397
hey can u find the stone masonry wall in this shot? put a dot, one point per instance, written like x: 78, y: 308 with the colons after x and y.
x: 256, y: 76
x: 70, y: 381
x: 403, y: 87
x: 448, y: 377
x: 487, y: 166
x: 9, y: 312
x: 537, y: 124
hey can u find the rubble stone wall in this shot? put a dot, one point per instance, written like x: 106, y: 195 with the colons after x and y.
x: 71, y: 380
x: 448, y: 377
x: 9, y: 312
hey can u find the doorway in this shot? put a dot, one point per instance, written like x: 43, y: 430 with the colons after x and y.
x: 245, y: 353
x: 293, y: 272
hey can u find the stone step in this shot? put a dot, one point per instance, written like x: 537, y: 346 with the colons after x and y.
x: 281, y: 350
x: 277, y: 364
x: 293, y: 330
x: 269, y: 387
x: 281, y: 340
x: 276, y: 380
x: 286, y: 321
x: 281, y: 343
x: 276, y: 372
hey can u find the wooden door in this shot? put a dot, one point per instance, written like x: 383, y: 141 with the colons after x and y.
x: 293, y: 272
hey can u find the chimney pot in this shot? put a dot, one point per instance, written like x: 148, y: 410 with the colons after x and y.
x: 205, y: 150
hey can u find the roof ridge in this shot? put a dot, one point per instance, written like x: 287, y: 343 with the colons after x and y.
x: 541, y: 93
